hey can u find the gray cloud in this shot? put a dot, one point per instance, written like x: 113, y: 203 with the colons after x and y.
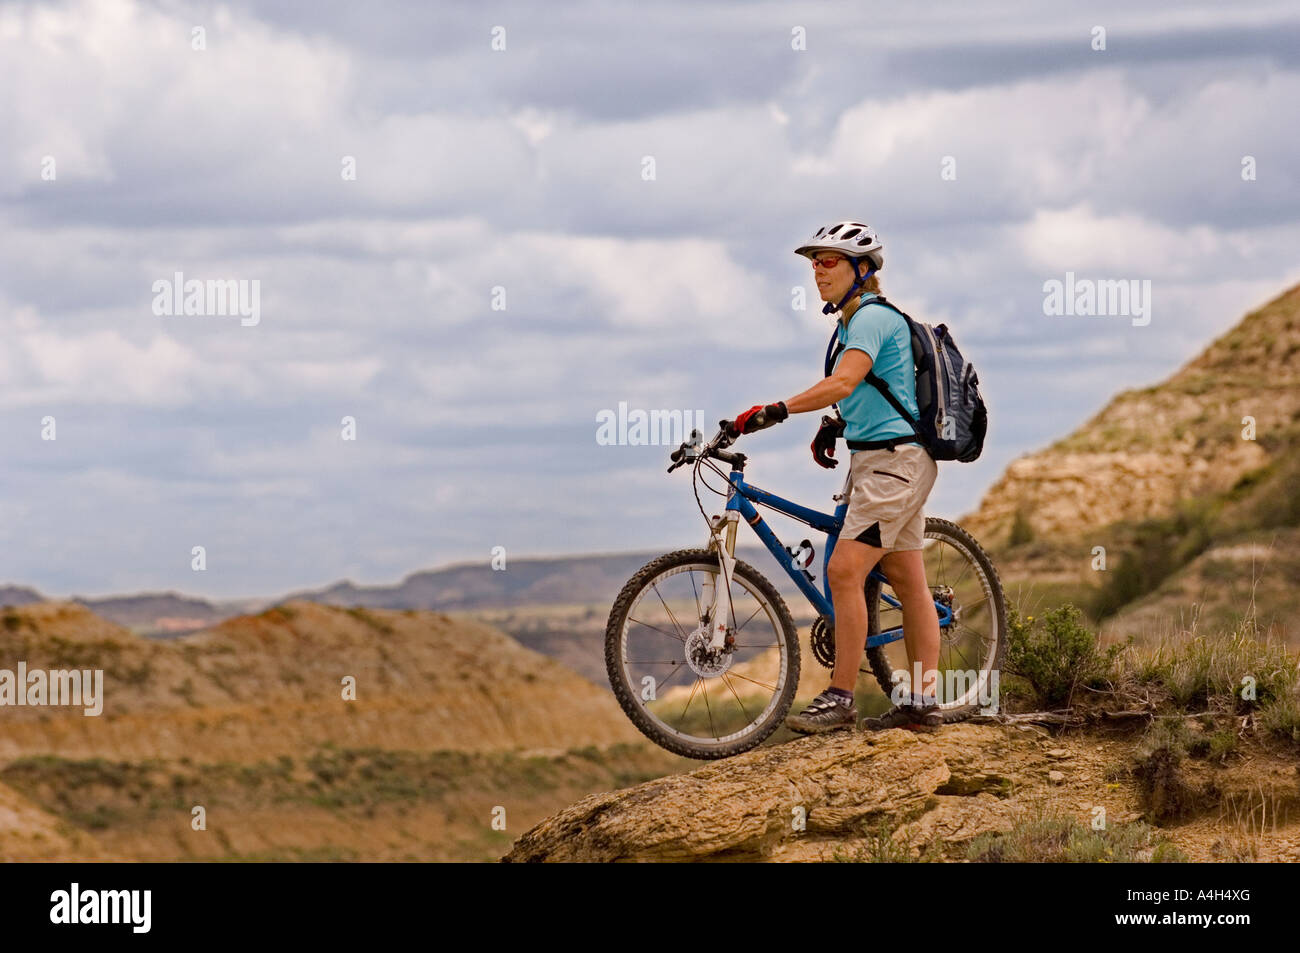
x: 523, y: 170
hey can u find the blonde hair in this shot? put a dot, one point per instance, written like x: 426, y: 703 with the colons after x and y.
x: 872, y: 284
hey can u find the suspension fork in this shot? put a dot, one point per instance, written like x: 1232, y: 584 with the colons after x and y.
x: 722, y: 540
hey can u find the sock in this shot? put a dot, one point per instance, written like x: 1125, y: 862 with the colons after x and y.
x: 846, y: 698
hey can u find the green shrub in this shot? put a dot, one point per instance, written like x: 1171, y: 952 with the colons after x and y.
x: 1164, y: 794
x: 1280, y: 718
x: 879, y: 847
x: 1214, y: 746
x: 1057, y: 838
x: 1021, y: 531
x: 1056, y: 654
x: 1160, y: 548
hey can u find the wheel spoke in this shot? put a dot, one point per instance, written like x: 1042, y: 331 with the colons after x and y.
x: 681, y: 667
x: 670, y: 635
x: 670, y: 612
x: 748, y: 720
x: 965, y: 570
x: 692, y: 695
x: 751, y: 615
x: 770, y: 688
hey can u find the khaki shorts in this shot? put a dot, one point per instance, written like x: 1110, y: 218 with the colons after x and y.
x: 886, y: 491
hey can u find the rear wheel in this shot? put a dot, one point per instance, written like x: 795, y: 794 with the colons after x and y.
x: 971, y: 647
x: 680, y: 694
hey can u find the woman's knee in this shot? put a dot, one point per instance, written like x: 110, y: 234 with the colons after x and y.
x: 843, y: 570
x: 906, y: 575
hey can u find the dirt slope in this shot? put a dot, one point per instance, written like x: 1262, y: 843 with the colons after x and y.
x: 258, y: 686
x: 453, y: 722
x: 28, y: 833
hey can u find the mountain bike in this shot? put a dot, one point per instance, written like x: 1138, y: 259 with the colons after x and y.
x: 703, y: 653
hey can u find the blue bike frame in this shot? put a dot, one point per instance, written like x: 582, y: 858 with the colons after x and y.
x: 742, y: 496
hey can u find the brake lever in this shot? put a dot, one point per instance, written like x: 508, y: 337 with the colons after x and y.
x: 691, y: 451
x: 682, y: 455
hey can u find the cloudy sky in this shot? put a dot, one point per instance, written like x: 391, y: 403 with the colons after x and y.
x: 138, y: 140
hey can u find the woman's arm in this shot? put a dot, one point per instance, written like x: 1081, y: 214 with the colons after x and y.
x: 854, y: 365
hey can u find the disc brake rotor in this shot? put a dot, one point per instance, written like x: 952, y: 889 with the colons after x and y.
x: 703, y: 661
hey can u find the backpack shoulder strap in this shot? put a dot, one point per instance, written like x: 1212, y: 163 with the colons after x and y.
x: 881, y: 299
x: 832, y: 350
x: 878, y: 382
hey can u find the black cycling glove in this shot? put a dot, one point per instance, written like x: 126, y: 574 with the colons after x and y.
x: 823, y: 445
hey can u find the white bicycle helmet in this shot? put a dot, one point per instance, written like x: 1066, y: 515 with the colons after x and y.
x: 848, y: 238
x: 854, y: 240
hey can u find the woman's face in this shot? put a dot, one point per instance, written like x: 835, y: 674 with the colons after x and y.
x: 832, y: 283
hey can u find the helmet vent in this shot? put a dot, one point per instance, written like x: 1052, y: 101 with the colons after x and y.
x: 850, y: 233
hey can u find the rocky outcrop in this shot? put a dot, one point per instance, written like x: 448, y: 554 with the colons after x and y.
x: 1070, y: 494
x: 820, y: 798
x: 1149, y: 448
x: 893, y: 794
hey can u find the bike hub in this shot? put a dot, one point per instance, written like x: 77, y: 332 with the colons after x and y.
x: 703, y: 661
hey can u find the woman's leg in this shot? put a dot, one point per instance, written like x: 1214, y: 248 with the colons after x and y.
x: 847, y: 571
x: 906, y: 572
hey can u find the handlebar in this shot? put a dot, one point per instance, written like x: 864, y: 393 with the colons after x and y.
x: 692, y: 451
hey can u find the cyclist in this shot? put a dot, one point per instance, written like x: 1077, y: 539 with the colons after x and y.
x: 889, y: 478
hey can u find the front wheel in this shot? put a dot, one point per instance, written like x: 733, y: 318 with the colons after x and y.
x: 680, y: 694
x: 965, y: 582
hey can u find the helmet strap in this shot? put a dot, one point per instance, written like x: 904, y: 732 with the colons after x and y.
x: 858, y: 282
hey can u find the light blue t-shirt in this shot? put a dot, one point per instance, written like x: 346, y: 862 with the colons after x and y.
x: 883, y: 334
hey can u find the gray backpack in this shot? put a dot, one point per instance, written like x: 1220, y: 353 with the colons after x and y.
x: 953, y: 416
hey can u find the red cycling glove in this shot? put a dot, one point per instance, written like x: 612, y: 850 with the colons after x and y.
x: 759, y: 417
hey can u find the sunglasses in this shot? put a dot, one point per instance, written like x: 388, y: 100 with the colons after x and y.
x: 828, y: 262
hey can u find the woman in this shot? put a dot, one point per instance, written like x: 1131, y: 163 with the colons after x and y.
x: 890, y: 477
